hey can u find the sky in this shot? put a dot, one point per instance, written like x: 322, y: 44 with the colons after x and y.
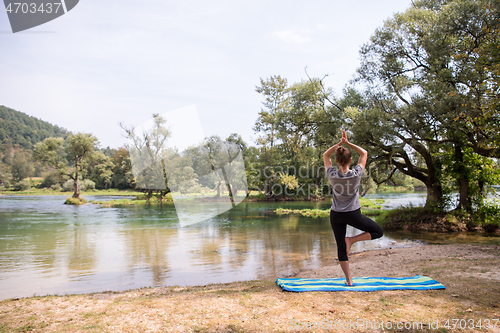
x: 110, y: 62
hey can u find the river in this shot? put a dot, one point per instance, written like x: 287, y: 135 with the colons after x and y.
x: 47, y: 247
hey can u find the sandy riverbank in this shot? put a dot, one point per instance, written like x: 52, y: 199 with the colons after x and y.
x: 471, y: 274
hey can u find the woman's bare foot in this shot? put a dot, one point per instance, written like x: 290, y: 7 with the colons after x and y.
x: 348, y: 282
x: 348, y: 245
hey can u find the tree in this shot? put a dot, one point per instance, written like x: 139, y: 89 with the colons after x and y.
x: 237, y: 141
x: 68, y: 156
x: 20, y: 167
x: 123, y: 176
x: 426, y: 94
x: 299, y: 122
x: 275, y: 91
x: 148, y: 149
x: 100, y: 170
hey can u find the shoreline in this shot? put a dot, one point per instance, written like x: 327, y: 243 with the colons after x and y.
x: 469, y: 272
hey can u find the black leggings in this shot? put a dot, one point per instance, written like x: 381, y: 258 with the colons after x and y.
x: 339, y: 221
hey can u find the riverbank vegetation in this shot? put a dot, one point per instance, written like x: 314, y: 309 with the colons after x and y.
x: 422, y: 219
x: 368, y: 207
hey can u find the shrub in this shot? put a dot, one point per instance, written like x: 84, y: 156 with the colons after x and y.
x: 69, y: 185
x: 22, y: 185
x: 86, y: 185
x: 50, y: 179
x: 6, y: 184
x: 489, y: 212
x: 490, y: 227
x: 56, y: 187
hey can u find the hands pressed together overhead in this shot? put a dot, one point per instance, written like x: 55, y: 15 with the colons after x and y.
x: 344, y: 139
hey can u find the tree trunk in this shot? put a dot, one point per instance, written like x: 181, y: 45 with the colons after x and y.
x: 218, y: 187
x: 434, y: 196
x: 244, y: 181
x: 77, y: 184
x: 228, y: 185
x: 463, y: 181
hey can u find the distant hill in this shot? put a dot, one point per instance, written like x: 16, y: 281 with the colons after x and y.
x: 17, y: 128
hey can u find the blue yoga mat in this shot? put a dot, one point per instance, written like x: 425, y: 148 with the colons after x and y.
x: 359, y: 284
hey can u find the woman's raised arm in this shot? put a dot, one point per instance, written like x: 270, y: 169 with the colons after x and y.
x: 326, y: 156
x: 363, y: 154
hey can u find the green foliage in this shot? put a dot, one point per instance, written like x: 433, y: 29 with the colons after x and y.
x: 56, y: 187
x: 481, y: 172
x: 426, y: 93
x: 85, y: 185
x: 304, y: 212
x: 68, y: 185
x: 53, y: 178
x: 4, y: 180
x: 51, y: 151
x: 368, y: 207
x: 147, y: 151
x: 289, y: 181
x: 167, y: 199
x: 17, y: 128
x: 69, y: 157
x: 23, y: 185
x: 297, y: 124
x: 123, y: 177
x: 21, y: 167
x: 489, y: 213
x: 99, y: 169
x: 259, y: 196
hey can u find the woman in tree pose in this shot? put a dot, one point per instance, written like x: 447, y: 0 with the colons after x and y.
x: 346, y: 209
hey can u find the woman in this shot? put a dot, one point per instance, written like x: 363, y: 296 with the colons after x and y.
x: 346, y: 209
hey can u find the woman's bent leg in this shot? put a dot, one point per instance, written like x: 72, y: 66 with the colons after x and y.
x: 358, y: 238
x: 363, y: 223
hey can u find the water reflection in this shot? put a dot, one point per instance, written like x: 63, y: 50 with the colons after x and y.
x: 394, y: 200
x: 146, y: 252
x: 48, y: 247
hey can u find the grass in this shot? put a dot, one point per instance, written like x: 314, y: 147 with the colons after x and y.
x: 75, y: 201
x: 386, y: 189
x: 368, y: 207
x: 138, y: 202
x: 48, y: 191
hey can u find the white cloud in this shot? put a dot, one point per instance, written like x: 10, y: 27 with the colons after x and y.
x: 292, y: 36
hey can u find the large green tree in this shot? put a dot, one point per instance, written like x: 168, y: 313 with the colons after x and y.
x: 426, y: 95
x: 21, y: 166
x: 148, y: 148
x: 274, y: 90
x: 68, y: 156
x: 297, y: 124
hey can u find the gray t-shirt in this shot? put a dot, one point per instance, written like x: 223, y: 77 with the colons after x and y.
x: 345, y: 188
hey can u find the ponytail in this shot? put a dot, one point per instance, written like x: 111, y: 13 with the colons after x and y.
x: 343, y: 156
